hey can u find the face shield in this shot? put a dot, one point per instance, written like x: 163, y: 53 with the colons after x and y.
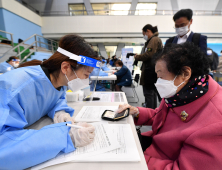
x: 103, y: 63
x: 15, y: 62
x: 80, y: 79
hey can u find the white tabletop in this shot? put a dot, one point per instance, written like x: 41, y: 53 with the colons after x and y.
x: 114, y: 68
x: 96, y: 166
x: 108, y: 71
x: 112, y: 77
x: 107, y: 96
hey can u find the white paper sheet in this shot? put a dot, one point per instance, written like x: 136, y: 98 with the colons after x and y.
x: 109, y: 97
x: 93, y: 113
x: 104, y: 141
x: 128, y: 151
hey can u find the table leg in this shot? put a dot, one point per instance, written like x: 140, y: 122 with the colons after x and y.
x: 113, y: 85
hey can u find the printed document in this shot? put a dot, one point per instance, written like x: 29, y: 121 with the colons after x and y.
x: 93, y: 113
x: 104, y: 141
x: 126, y: 153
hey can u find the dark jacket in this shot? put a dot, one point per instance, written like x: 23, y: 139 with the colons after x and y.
x: 202, y: 42
x: 124, y: 77
x: 151, y: 48
x: 112, y: 62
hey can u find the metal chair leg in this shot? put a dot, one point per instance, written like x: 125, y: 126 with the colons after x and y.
x: 134, y: 91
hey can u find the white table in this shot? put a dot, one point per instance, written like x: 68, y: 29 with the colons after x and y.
x: 114, y: 68
x: 108, y: 71
x: 111, y: 77
x: 115, y: 96
x: 96, y: 166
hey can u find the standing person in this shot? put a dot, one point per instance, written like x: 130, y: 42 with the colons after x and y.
x: 38, y: 89
x: 9, y: 65
x: 124, y: 77
x: 219, y: 68
x: 148, y: 75
x: 183, y: 21
x: 186, y: 128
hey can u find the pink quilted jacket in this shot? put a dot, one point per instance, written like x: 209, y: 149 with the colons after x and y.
x: 192, y: 144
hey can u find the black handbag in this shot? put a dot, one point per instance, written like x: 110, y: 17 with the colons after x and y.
x: 145, y: 141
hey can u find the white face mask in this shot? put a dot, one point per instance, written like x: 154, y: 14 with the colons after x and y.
x: 182, y: 30
x: 15, y: 64
x: 166, y: 88
x: 145, y: 37
x: 77, y: 84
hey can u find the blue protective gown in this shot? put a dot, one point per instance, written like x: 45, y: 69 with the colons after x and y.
x: 99, y: 86
x: 105, y: 68
x: 4, y: 67
x: 26, y: 95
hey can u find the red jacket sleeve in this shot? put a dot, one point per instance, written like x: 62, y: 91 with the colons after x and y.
x: 146, y: 116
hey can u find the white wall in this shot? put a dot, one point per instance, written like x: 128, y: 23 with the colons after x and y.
x: 124, y: 24
x: 20, y: 10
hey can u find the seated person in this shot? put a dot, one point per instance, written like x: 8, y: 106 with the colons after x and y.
x: 186, y: 128
x: 123, y: 76
x: 9, y: 65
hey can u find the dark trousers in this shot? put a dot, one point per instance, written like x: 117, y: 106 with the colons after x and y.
x: 150, y: 97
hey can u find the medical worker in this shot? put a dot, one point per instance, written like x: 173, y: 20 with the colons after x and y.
x: 99, y: 72
x: 9, y: 65
x: 37, y: 89
x: 104, y: 64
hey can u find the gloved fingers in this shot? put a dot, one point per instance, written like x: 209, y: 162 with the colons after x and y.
x: 84, y: 124
x: 91, y: 129
x: 70, y: 119
x: 91, y: 135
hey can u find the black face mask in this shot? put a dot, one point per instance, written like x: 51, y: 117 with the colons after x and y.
x: 193, y: 90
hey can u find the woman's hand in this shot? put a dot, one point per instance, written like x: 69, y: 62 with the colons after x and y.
x: 133, y: 110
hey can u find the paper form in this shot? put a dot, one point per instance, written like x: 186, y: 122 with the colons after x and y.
x: 109, y: 97
x: 104, y: 141
x: 126, y: 153
x: 93, y: 113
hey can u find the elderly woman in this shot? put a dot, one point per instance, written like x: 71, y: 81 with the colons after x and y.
x: 187, y: 127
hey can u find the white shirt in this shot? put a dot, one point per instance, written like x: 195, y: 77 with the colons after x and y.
x: 183, y: 39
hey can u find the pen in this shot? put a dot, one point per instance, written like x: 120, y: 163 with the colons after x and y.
x: 74, y: 126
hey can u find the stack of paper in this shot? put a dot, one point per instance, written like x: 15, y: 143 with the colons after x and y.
x: 126, y: 153
x: 112, y: 143
x: 104, y: 141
